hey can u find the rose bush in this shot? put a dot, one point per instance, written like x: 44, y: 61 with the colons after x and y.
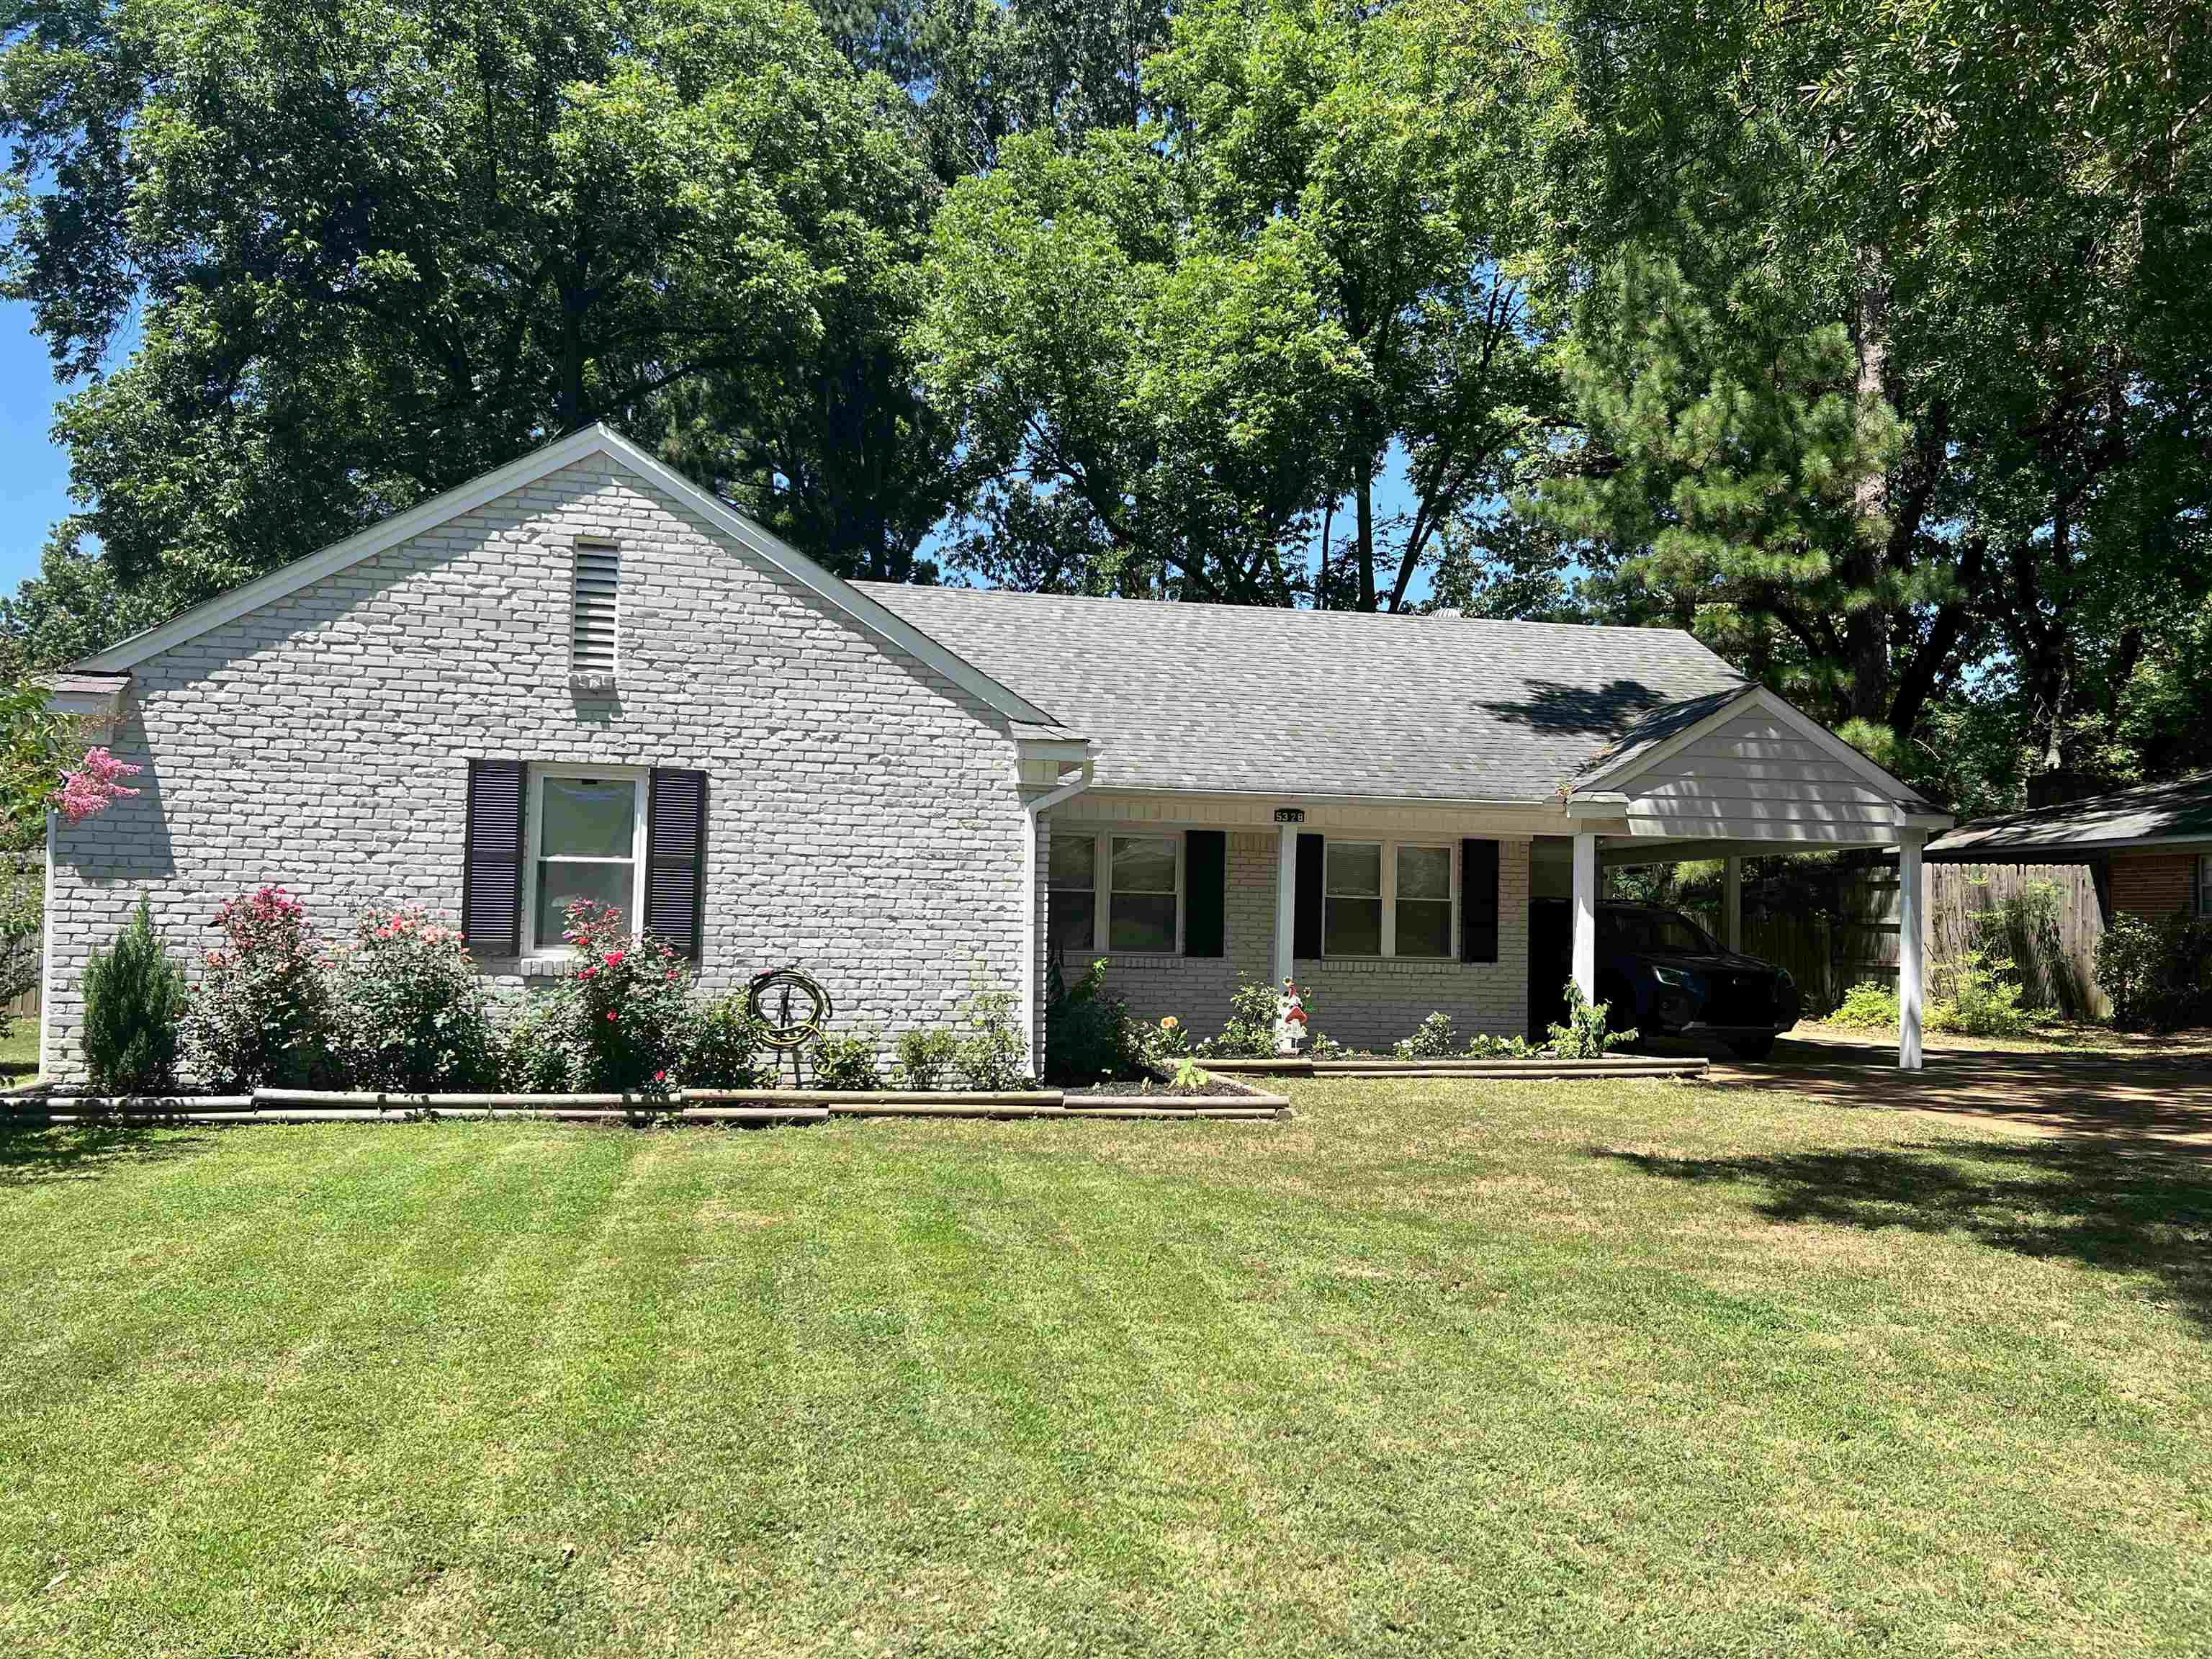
x: 409, y: 1010
x: 629, y: 1001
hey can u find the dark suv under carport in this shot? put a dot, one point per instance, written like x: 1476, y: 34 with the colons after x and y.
x: 1663, y: 975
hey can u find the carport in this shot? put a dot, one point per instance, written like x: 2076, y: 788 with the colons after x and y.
x: 1737, y: 774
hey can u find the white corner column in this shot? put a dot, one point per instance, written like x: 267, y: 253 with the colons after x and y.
x: 1585, y: 914
x: 1911, y: 882
x: 1732, y: 903
x: 1033, y: 913
x: 46, y: 952
x: 1287, y: 820
x: 1032, y: 962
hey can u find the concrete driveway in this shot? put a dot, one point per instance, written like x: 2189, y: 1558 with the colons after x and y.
x: 2160, y: 1092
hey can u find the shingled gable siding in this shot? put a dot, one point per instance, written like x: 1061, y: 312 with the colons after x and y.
x: 1367, y: 1005
x: 864, y: 821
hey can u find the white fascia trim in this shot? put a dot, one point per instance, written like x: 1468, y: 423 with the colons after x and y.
x: 290, y: 579
x: 1597, y: 804
x: 1547, y: 807
x: 2054, y: 852
x: 1613, y: 778
x: 578, y: 446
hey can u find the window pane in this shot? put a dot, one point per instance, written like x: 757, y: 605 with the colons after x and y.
x: 560, y: 884
x: 1424, y: 872
x: 1143, y: 865
x: 588, y: 818
x: 1351, y: 927
x: 1355, y: 867
x: 1074, y: 920
x: 1074, y: 861
x: 1143, y: 921
x: 1424, y: 928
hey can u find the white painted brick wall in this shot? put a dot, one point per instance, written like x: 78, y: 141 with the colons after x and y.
x: 864, y: 818
x: 1365, y: 1005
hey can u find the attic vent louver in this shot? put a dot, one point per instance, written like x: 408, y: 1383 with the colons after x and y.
x: 593, y: 623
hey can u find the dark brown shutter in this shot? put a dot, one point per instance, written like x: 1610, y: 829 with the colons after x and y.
x: 1478, y: 901
x: 1205, y: 890
x: 676, y: 859
x: 1305, y: 934
x: 491, y: 857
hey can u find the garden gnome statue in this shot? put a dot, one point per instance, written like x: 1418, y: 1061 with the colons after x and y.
x: 1290, y: 1020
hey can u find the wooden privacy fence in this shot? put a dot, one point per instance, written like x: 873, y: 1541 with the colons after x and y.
x: 2044, y: 918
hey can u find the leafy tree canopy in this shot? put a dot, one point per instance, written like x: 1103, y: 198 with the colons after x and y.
x: 357, y: 252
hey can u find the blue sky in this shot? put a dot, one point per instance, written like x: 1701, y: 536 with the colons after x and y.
x: 33, y: 474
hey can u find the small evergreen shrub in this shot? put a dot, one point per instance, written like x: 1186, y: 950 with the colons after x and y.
x: 992, y: 1055
x: 261, y: 1015
x: 409, y: 1009
x: 1867, y: 1006
x: 2158, y: 975
x: 722, y: 1049
x: 846, y: 1062
x: 1584, y: 1036
x: 134, y: 1001
x: 1087, y: 1034
x: 1433, y: 1039
x: 926, y: 1057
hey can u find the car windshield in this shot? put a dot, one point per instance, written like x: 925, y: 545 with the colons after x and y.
x: 1655, y: 930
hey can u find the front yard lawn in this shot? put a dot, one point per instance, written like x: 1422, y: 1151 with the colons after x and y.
x: 1434, y: 1367
x: 18, y: 1050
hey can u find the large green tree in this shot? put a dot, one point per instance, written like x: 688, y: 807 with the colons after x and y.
x: 323, y: 260
x: 1974, y: 234
x: 1179, y: 348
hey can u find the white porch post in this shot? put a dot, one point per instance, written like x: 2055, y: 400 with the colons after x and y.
x: 1585, y: 953
x: 1287, y: 895
x: 1910, y: 883
x: 1732, y: 903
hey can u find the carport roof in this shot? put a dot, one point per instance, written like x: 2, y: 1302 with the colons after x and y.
x: 2147, y: 815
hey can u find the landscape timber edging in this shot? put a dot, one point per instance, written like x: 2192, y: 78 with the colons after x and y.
x: 1533, y: 1067
x: 688, y: 1105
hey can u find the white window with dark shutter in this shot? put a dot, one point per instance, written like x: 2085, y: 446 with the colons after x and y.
x: 595, y: 613
x: 542, y: 836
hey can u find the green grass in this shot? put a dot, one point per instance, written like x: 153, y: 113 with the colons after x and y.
x: 1432, y: 1368
x: 19, y: 1051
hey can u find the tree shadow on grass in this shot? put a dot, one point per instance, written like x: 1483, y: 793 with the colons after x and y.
x: 2119, y: 1210
x: 31, y: 1155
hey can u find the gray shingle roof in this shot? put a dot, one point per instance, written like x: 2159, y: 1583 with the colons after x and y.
x: 1232, y: 699
x: 2178, y: 811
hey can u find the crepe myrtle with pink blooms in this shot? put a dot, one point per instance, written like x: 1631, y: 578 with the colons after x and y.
x: 94, y: 784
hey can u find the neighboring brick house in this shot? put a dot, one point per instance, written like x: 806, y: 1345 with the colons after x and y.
x: 2150, y: 846
x: 582, y: 675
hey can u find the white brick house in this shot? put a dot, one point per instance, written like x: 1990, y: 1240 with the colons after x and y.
x: 583, y: 674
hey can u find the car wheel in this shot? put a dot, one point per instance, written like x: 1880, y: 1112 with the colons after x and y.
x: 1753, y: 1048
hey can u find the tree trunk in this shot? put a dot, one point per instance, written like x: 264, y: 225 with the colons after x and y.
x: 1364, y: 500
x: 1866, y: 625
